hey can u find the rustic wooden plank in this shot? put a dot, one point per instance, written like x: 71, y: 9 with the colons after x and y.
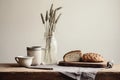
x: 84, y: 64
x: 15, y: 72
x: 30, y: 76
x: 109, y: 74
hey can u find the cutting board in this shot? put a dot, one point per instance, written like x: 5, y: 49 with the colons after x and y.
x: 84, y: 64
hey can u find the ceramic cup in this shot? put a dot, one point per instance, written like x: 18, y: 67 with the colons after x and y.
x: 37, y: 53
x: 25, y: 61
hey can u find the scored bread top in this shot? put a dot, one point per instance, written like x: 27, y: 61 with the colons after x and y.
x: 92, y: 57
x: 72, y: 56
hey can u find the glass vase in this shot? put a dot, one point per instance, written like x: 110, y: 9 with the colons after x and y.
x: 50, y: 56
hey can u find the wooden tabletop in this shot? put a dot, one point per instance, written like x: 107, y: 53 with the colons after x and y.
x: 13, y: 71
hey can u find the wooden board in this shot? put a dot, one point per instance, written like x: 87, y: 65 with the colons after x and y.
x: 84, y: 64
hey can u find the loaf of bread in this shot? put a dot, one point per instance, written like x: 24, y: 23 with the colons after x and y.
x: 73, y: 56
x: 92, y: 57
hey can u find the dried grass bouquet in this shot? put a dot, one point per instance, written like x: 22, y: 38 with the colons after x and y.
x: 50, y: 20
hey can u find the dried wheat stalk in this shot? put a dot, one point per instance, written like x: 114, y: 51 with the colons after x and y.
x: 50, y: 20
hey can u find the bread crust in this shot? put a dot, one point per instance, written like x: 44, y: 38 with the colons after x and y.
x: 92, y: 57
x: 74, y: 53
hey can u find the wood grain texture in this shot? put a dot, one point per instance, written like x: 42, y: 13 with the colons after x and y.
x: 109, y: 74
x: 15, y: 72
x: 84, y: 64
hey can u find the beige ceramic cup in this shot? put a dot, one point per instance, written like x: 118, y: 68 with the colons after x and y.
x: 24, y: 60
x: 37, y: 53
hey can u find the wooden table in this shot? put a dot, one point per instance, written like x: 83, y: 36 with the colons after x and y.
x: 14, y: 72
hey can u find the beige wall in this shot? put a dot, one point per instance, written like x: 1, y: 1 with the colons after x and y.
x: 88, y: 25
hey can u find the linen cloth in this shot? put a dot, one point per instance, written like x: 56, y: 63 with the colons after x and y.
x: 76, y: 73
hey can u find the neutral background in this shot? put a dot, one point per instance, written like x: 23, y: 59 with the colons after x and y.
x: 88, y: 25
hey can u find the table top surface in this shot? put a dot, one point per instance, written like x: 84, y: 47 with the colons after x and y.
x: 13, y: 67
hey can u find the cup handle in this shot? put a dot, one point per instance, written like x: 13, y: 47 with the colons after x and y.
x: 17, y: 60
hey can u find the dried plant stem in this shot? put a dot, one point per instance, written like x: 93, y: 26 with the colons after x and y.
x: 48, y: 48
x: 54, y: 27
x: 49, y: 20
x: 42, y: 18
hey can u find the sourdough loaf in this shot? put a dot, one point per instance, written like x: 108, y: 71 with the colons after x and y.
x: 73, y: 56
